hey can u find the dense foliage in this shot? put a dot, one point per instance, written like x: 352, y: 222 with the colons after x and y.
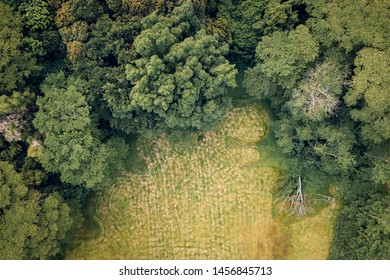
x: 80, y: 78
x: 71, y: 146
x: 363, y: 227
x: 32, y: 224
x: 180, y: 77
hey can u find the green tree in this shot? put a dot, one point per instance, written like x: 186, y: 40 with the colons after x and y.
x: 141, y: 8
x: 350, y: 24
x: 14, y: 102
x: 334, y: 145
x: 363, y: 227
x: 282, y: 59
x: 324, y: 145
x: 71, y: 146
x: 14, y: 4
x: 181, y: 77
x: 36, y: 15
x: 32, y: 226
x: 370, y: 94
x: 249, y: 20
x: 16, y: 65
x: 283, y: 56
x: 102, y: 61
x: 378, y: 158
x: 86, y: 10
x: 78, y: 31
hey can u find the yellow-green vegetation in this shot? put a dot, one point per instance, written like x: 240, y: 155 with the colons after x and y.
x: 203, y: 196
x: 312, y: 237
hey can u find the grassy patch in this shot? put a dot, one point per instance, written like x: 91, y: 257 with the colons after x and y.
x: 203, y: 196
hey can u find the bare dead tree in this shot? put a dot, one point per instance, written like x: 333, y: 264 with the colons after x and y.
x: 11, y: 126
x: 299, y: 204
x: 298, y: 201
x: 317, y: 96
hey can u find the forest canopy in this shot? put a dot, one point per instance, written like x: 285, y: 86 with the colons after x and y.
x: 80, y: 80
